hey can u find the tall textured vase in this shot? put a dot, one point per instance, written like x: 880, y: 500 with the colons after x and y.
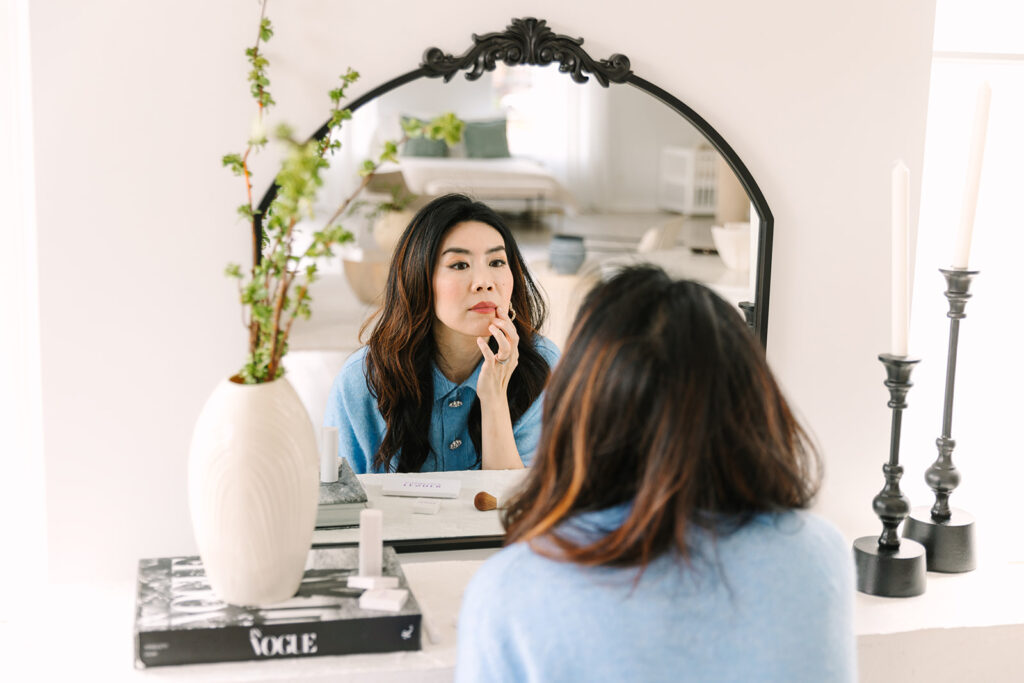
x: 253, y: 479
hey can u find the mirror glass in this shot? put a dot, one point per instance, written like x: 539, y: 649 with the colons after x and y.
x: 564, y: 163
x: 613, y: 166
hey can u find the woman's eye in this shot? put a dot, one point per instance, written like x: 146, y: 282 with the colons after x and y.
x: 458, y: 265
x: 498, y: 263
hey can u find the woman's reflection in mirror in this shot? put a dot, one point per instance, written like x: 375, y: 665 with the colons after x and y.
x: 454, y: 369
x: 661, y: 532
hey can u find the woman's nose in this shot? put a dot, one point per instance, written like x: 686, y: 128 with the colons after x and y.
x: 483, y: 285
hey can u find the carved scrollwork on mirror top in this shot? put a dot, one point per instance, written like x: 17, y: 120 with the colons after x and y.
x: 529, y: 41
x: 526, y: 41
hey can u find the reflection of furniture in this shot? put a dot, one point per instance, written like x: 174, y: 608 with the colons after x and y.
x: 732, y: 285
x: 486, y: 179
x: 367, y: 274
x: 457, y: 526
x: 686, y: 180
x: 564, y: 294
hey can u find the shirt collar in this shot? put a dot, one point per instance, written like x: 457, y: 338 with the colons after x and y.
x: 443, y: 387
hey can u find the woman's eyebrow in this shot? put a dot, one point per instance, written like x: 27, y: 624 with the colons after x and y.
x: 463, y: 250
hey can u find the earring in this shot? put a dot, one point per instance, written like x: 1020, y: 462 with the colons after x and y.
x: 511, y: 313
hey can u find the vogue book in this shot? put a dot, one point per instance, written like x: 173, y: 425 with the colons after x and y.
x: 178, y: 619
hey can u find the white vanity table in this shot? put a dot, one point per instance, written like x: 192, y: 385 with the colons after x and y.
x: 971, y: 616
x: 457, y: 526
x: 87, y: 629
x: 953, y: 632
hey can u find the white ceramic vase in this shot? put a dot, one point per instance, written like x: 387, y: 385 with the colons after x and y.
x: 253, y: 482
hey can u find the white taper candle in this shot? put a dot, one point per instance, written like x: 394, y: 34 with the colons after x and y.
x: 328, y: 454
x: 371, y: 542
x: 900, y: 258
x: 962, y: 245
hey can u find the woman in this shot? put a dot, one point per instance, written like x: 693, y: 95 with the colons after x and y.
x: 452, y: 376
x: 659, y: 535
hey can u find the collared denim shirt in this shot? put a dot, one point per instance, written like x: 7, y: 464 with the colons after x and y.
x: 352, y: 408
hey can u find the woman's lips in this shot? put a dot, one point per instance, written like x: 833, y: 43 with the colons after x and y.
x: 486, y: 307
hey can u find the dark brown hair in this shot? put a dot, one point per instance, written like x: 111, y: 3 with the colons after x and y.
x: 401, y: 353
x: 664, y: 399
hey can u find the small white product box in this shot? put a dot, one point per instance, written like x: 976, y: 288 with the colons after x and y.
x: 422, y: 488
x: 373, y: 582
x: 426, y: 507
x: 384, y: 599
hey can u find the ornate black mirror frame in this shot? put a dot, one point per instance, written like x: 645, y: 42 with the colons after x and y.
x: 529, y: 41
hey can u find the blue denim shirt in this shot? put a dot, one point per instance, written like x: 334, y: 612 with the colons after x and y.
x: 352, y: 408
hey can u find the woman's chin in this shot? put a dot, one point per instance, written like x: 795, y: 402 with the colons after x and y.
x: 476, y: 328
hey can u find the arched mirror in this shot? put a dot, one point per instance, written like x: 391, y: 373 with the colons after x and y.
x: 568, y: 148
x: 571, y: 149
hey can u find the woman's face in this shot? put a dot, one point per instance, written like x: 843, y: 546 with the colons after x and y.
x: 472, y: 279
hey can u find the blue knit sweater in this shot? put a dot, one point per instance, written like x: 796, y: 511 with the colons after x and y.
x: 772, y: 601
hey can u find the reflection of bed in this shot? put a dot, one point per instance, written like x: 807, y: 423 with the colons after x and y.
x: 499, y: 178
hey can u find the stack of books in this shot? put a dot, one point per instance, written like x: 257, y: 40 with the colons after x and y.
x: 179, y: 620
x: 341, y: 501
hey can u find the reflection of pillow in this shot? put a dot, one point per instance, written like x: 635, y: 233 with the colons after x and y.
x: 423, y: 147
x: 486, y: 139
x: 660, y: 237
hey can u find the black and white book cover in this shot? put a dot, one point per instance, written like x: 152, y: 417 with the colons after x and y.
x: 341, y: 501
x: 179, y: 620
x: 348, y: 490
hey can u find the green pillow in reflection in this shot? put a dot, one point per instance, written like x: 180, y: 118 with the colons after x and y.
x: 486, y: 139
x: 423, y: 147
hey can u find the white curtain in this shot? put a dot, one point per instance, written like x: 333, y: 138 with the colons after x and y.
x: 563, y: 125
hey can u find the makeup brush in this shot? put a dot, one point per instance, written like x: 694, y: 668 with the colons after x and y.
x: 485, y: 501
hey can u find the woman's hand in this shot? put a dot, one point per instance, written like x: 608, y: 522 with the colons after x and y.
x: 498, y: 442
x: 498, y: 367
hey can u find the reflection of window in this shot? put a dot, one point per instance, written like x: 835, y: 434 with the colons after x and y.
x: 533, y: 100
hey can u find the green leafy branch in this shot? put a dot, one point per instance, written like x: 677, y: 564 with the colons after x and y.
x: 266, y: 292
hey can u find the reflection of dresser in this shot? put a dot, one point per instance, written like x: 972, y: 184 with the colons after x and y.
x: 686, y: 180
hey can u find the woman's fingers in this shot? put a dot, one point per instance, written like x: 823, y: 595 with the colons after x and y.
x: 507, y: 327
x: 504, y: 345
x: 504, y: 332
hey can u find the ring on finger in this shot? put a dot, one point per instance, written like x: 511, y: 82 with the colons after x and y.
x: 502, y: 361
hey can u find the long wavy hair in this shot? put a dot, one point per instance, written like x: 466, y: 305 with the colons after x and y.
x: 663, y: 399
x: 402, y: 351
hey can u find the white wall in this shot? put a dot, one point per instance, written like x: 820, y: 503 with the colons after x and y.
x: 640, y: 127
x: 21, y: 486
x: 136, y: 102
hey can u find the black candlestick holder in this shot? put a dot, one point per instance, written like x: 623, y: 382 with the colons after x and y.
x: 947, y: 533
x: 887, y: 565
x: 748, y: 312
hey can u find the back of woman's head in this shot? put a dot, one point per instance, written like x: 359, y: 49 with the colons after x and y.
x: 663, y: 398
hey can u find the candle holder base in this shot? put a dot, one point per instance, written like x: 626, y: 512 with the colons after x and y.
x: 949, y: 545
x: 889, y: 573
